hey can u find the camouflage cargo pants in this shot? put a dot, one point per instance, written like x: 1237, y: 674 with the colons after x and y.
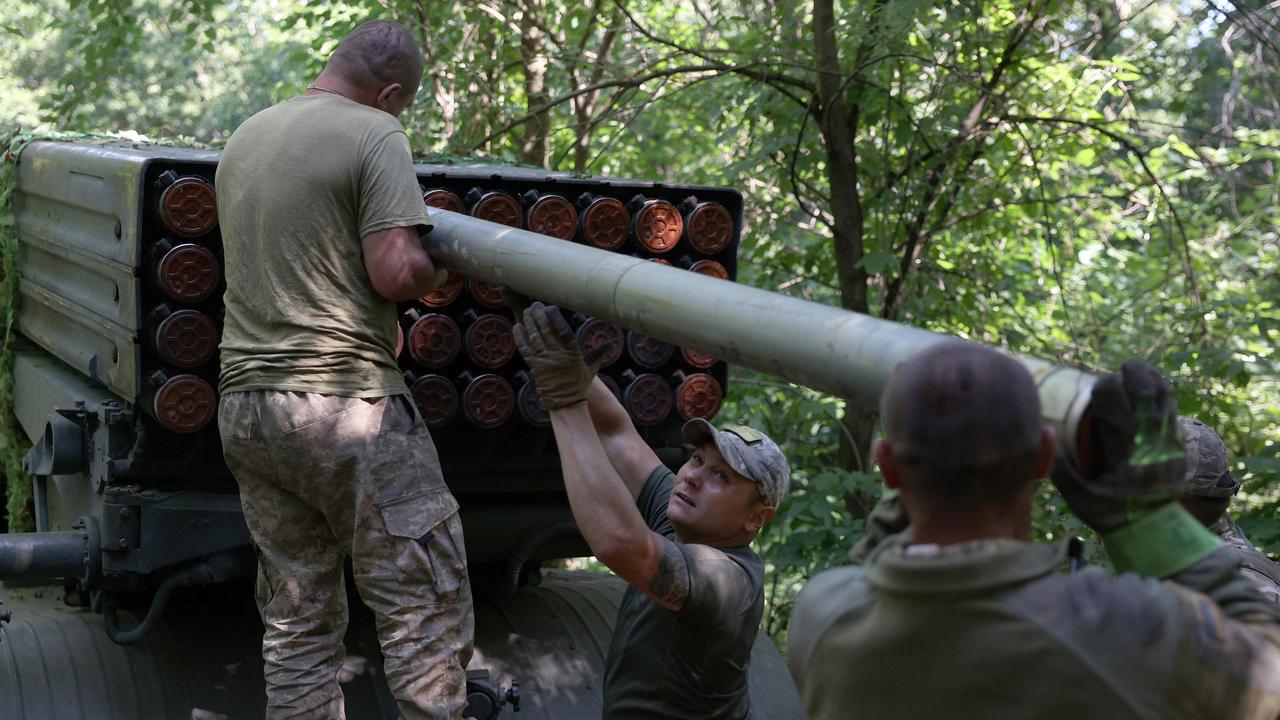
x: 321, y: 477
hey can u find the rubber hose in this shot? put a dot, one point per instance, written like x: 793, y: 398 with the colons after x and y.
x: 526, y: 549
x: 158, y: 604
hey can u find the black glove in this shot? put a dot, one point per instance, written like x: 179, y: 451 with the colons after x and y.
x: 1139, y: 448
x: 561, y: 373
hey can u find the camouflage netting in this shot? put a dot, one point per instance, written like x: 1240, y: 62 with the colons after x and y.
x: 13, y: 444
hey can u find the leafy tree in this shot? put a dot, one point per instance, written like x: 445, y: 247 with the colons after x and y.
x: 1074, y: 179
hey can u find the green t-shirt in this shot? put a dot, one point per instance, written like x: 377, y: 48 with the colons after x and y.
x: 690, y: 664
x: 299, y: 184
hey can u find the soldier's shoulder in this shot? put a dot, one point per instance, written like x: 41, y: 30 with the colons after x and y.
x: 1092, y: 597
x: 827, y: 597
x: 837, y: 586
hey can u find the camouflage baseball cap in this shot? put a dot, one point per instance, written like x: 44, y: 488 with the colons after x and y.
x: 1207, y: 473
x: 749, y: 452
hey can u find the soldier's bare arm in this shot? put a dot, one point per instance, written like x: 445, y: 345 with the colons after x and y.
x: 630, y: 456
x: 397, y: 263
x: 607, y: 515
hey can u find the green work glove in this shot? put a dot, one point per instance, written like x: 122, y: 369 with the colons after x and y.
x: 1132, y: 500
x: 561, y: 373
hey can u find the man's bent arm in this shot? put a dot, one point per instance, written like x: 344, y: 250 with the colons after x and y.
x: 630, y: 456
x: 398, y: 264
x: 607, y: 516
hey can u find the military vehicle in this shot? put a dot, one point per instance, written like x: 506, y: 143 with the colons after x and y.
x: 138, y: 520
x: 133, y: 596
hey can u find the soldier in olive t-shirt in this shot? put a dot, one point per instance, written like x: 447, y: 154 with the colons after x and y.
x: 307, y: 179
x: 691, y: 663
x: 321, y: 219
x: 686, y: 625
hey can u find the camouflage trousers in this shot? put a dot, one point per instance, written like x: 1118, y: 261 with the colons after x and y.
x: 322, y: 477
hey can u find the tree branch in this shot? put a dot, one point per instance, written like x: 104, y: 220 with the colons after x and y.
x: 1137, y: 153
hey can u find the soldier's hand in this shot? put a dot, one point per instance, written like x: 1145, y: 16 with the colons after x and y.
x: 1139, y: 448
x: 561, y: 372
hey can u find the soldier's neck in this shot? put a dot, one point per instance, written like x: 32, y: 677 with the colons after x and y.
x: 948, y: 526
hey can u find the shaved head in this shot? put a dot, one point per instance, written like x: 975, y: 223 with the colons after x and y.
x: 377, y: 53
x: 964, y: 423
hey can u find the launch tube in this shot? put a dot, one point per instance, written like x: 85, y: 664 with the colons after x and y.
x: 826, y: 348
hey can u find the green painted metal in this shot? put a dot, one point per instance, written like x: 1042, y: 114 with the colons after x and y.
x: 55, y: 661
x: 79, y: 212
x: 820, y: 346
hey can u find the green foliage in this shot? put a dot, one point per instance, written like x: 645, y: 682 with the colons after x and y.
x: 13, y: 445
x: 1077, y: 180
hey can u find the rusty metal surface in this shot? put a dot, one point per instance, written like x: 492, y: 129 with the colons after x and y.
x: 189, y: 207
x: 498, y: 207
x: 444, y: 200
x: 710, y: 268
x: 697, y: 359
x: 595, y: 332
x: 820, y: 346
x: 487, y: 401
x: 553, y: 215
x: 648, y: 399
x: 188, y: 273
x: 657, y: 226
x: 699, y: 396
x: 434, y: 340
x: 184, y: 403
x: 486, y: 294
x: 489, y: 342
x: 445, y: 293
x: 527, y: 404
x: 647, y: 351
x: 186, y: 339
x: 709, y: 227
x: 436, y: 398
x: 605, y: 223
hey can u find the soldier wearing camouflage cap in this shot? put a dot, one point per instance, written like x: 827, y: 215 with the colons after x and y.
x: 1207, y: 491
x: 686, y: 625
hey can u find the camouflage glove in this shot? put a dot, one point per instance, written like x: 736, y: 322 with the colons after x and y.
x: 561, y: 373
x: 1132, y: 500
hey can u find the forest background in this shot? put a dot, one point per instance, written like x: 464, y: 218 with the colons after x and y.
x: 1079, y: 181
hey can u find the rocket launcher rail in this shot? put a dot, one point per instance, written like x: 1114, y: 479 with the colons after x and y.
x: 826, y: 348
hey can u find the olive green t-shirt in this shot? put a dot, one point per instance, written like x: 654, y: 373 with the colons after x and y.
x: 689, y: 664
x: 299, y: 184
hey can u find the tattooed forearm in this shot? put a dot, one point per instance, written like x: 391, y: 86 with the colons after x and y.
x: 669, y: 585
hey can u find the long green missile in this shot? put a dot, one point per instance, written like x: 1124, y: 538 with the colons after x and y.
x: 826, y: 348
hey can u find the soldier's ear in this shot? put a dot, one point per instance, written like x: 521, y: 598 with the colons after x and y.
x: 1044, y: 455
x: 760, y: 515
x: 889, y: 467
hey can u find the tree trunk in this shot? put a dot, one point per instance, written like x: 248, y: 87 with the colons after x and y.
x: 533, y: 146
x: 838, y: 124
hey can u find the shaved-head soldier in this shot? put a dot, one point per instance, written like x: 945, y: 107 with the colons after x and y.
x: 321, y: 221
x: 961, y: 616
